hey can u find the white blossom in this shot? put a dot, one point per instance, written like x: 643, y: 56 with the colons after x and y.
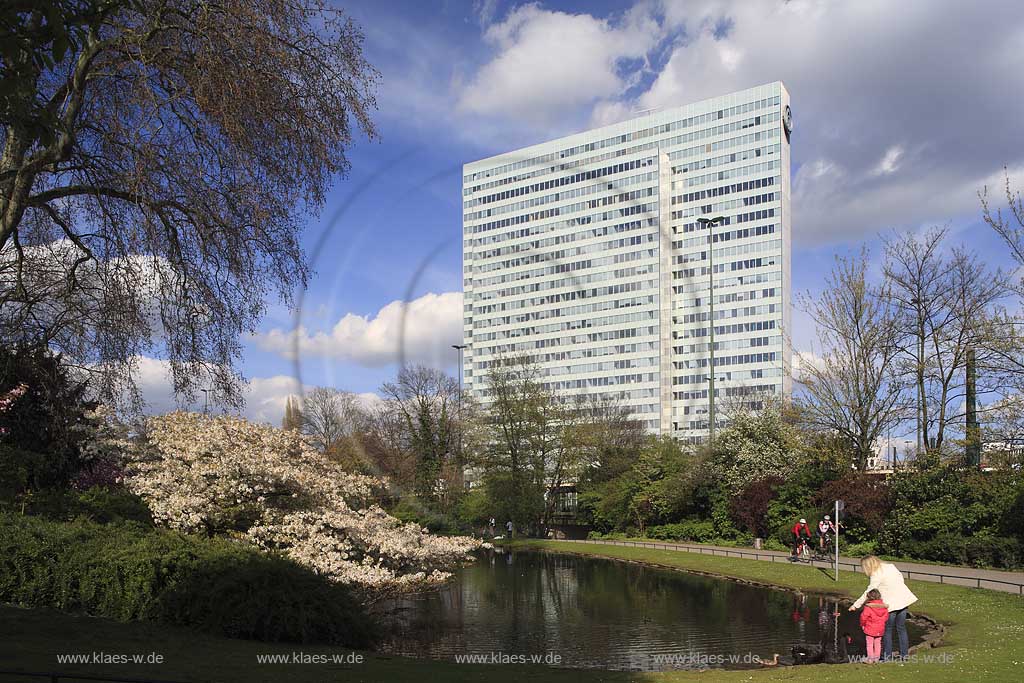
x: 270, y: 487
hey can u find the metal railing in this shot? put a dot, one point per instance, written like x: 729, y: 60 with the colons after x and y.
x: 952, y: 579
x: 55, y: 677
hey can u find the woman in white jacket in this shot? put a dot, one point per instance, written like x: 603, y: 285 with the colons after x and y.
x: 889, y: 581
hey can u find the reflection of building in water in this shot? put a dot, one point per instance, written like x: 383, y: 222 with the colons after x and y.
x: 609, y: 615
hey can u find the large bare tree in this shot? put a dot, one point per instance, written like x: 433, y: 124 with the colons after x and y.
x: 159, y: 159
x: 329, y: 416
x: 947, y: 304
x: 1008, y: 223
x: 426, y: 400
x: 850, y: 387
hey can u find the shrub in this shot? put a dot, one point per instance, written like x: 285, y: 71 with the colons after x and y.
x: 102, y: 504
x: 127, y: 571
x: 750, y: 508
x: 861, y: 549
x: 694, y: 530
x: 411, y: 511
x: 946, y: 514
x: 610, y: 536
x: 978, y: 551
x: 995, y: 551
x: 868, y: 503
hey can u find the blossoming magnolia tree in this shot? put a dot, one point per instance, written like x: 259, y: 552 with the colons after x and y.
x: 224, y: 475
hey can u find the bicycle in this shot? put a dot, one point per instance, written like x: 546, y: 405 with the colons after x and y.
x: 803, y: 551
x: 828, y: 555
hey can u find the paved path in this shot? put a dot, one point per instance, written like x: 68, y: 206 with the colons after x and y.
x: 994, y: 579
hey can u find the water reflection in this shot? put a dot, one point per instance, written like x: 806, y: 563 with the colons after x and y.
x: 596, y: 613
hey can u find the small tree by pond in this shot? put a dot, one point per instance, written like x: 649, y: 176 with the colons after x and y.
x: 269, y: 487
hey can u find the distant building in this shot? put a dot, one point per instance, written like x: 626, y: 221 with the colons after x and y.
x: 891, y: 453
x: 587, y: 254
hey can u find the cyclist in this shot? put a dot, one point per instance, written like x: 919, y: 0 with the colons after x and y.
x: 800, y: 532
x: 826, y: 528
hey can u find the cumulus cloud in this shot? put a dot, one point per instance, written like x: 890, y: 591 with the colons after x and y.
x: 485, y: 11
x: 547, y: 63
x: 863, y: 75
x: 802, y: 359
x: 901, y: 109
x: 265, y: 397
x: 420, y: 331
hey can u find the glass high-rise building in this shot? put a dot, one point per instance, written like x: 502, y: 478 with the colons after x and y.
x: 588, y: 253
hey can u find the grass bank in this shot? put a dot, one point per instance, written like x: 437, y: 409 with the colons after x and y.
x: 985, y: 641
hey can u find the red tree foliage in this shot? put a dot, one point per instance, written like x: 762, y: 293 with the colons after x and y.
x: 867, y: 498
x: 750, y: 508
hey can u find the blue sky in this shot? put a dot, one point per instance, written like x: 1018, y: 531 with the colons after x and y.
x: 903, y: 111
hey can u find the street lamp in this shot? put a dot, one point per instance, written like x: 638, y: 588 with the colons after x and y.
x: 919, y: 305
x: 460, y: 348
x: 710, y: 223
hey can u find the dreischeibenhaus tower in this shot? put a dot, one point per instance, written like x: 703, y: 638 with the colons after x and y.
x: 595, y: 253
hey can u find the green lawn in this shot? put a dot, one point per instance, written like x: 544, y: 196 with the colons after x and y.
x: 985, y: 639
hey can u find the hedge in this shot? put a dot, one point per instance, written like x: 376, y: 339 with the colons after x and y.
x: 127, y: 571
x: 695, y: 531
x: 977, y: 551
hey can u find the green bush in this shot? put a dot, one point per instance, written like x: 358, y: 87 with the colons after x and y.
x: 696, y: 531
x: 995, y: 551
x: 99, y: 504
x: 860, y: 549
x: 949, y: 515
x: 409, y: 509
x: 127, y: 571
x: 978, y: 551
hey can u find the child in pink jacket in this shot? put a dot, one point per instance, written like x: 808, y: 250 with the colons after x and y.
x: 872, y: 622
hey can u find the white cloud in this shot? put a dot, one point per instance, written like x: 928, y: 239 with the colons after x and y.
x: 861, y: 75
x: 421, y: 331
x: 802, y: 359
x: 264, y: 396
x: 890, y: 162
x: 549, y: 63
x: 485, y: 11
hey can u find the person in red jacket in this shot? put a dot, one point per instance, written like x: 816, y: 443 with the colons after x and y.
x: 800, y: 530
x: 872, y: 621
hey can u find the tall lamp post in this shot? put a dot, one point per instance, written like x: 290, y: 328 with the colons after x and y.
x: 710, y: 223
x: 460, y: 348
x: 919, y: 304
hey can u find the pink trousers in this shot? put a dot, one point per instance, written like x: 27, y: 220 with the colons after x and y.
x: 874, y: 647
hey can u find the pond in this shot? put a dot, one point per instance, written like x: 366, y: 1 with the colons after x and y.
x: 584, y: 612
